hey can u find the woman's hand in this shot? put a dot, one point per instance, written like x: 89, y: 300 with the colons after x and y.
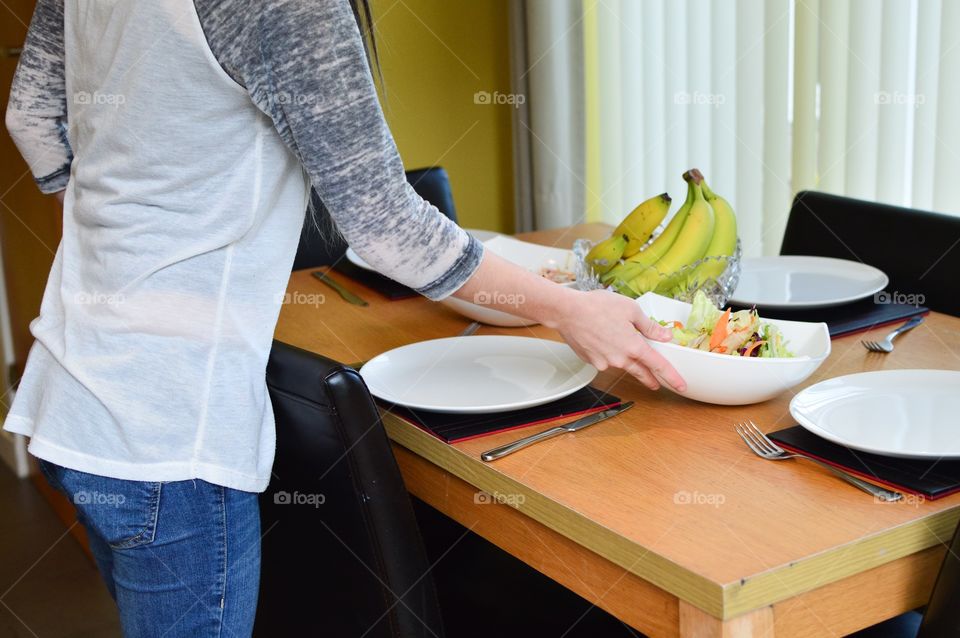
x: 602, y: 328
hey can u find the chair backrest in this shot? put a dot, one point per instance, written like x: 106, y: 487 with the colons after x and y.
x: 919, y: 250
x: 942, y: 617
x: 432, y: 184
x: 342, y: 555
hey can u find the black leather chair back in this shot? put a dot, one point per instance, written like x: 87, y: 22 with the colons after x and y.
x: 319, y: 248
x: 942, y: 617
x: 342, y: 555
x: 919, y: 251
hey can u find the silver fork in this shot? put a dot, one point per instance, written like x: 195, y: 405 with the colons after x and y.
x: 887, y: 344
x: 764, y: 447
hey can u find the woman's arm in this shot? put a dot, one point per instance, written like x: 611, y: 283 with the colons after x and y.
x: 37, y: 112
x: 303, y: 64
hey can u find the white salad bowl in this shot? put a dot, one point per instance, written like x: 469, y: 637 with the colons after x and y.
x: 731, y: 380
x: 533, y: 257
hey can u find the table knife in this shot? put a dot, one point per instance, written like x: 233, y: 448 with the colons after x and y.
x: 348, y: 296
x: 573, y: 426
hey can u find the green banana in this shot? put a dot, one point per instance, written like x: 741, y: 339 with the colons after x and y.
x: 724, y: 241
x: 605, y: 255
x: 691, y: 242
x: 642, y: 221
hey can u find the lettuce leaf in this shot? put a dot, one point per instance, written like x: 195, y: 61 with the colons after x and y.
x: 703, y: 314
x: 776, y: 345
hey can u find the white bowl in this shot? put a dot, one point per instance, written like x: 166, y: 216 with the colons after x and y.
x: 729, y: 380
x: 530, y: 256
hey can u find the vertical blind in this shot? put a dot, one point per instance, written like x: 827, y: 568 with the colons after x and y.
x: 766, y: 97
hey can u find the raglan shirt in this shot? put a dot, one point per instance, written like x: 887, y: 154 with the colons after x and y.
x: 156, y: 323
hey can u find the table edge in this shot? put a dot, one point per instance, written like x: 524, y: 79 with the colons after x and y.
x: 721, y: 600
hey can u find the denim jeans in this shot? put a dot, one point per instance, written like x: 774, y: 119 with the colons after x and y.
x: 181, y: 558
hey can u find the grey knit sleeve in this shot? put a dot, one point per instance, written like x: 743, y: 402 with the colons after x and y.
x: 37, y: 112
x: 303, y: 64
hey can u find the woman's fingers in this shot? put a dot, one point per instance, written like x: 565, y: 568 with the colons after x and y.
x: 653, y: 361
x: 650, y: 328
x: 642, y: 374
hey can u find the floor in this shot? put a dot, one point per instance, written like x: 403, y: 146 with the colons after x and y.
x: 48, y: 586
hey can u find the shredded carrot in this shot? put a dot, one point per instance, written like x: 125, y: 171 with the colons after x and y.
x: 753, y: 346
x: 678, y: 324
x: 720, y: 331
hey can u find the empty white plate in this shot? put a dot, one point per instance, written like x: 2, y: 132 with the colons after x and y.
x: 793, y: 281
x: 477, y: 374
x: 904, y: 413
x: 480, y: 235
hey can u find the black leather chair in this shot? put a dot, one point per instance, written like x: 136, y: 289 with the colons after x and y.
x: 342, y: 554
x: 919, y: 251
x: 322, y: 247
x: 942, y: 617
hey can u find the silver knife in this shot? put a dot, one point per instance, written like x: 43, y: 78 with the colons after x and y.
x: 573, y: 426
x: 348, y: 296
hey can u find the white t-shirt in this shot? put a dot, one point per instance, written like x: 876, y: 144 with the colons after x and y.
x: 186, y: 185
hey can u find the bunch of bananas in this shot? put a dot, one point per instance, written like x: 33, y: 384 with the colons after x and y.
x: 704, y: 226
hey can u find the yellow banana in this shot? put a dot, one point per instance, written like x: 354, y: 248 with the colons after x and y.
x: 606, y: 254
x: 642, y: 221
x: 624, y: 271
x: 724, y: 241
x: 649, y: 255
x: 691, y: 243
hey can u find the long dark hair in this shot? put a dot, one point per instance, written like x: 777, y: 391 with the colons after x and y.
x: 364, y: 18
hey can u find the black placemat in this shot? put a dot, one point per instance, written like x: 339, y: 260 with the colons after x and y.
x: 452, y: 428
x: 849, y: 318
x: 383, y: 285
x: 930, y: 478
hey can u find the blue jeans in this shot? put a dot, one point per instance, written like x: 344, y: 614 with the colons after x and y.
x: 181, y: 558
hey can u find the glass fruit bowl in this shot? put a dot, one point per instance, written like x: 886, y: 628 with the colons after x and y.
x: 717, y: 277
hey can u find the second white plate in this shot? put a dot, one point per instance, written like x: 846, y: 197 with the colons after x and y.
x: 903, y: 413
x: 794, y: 282
x: 477, y: 374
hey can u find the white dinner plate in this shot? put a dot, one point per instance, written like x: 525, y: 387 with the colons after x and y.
x: 793, y: 282
x: 477, y: 374
x: 481, y: 236
x: 904, y: 413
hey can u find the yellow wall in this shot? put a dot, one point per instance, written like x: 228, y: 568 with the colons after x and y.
x: 435, y: 55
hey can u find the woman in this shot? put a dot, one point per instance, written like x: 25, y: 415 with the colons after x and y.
x: 182, y: 137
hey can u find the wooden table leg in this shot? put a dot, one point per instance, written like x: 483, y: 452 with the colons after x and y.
x: 695, y: 623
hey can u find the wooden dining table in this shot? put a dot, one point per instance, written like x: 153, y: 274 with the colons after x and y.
x: 661, y: 515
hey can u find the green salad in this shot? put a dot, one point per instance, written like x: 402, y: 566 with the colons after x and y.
x: 740, y: 334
